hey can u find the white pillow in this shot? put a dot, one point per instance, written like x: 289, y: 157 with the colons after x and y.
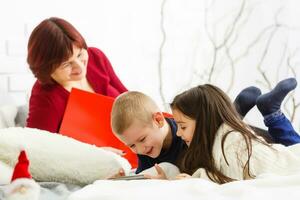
x: 58, y: 158
x: 5, y: 174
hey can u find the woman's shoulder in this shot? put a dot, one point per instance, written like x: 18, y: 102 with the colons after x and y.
x: 50, y: 92
x: 95, y: 51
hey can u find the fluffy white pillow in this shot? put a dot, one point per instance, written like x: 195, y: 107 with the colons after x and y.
x: 5, y: 173
x: 54, y: 157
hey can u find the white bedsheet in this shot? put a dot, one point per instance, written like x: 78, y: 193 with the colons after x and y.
x: 267, y: 187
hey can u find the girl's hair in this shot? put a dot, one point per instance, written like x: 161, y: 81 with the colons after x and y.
x: 210, y: 107
x: 50, y: 44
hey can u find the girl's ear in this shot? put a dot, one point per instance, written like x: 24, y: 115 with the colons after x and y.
x: 158, y: 119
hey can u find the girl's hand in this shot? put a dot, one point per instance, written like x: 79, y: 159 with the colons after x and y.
x: 160, y: 173
x: 114, y: 150
x: 182, y: 176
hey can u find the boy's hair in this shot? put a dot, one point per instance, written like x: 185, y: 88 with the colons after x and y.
x: 131, y: 106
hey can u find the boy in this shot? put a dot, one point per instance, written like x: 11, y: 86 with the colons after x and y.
x: 138, y: 122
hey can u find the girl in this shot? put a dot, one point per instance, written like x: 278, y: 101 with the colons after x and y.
x: 222, y: 147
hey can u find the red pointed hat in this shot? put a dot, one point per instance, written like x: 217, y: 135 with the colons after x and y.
x: 21, y: 168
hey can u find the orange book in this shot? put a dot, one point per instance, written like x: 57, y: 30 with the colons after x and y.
x: 87, y: 119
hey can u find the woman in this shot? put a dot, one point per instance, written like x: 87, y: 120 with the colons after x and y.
x: 60, y: 60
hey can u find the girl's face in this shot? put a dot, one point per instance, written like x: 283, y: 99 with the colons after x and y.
x: 74, y: 69
x: 186, y: 126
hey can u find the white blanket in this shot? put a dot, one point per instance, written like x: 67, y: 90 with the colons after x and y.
x: 268, y: 187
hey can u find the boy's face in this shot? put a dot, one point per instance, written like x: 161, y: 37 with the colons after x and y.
x: 186, y: 126
x: 144, y: 140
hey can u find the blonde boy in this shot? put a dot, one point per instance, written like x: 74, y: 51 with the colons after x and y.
x: 138, y: 122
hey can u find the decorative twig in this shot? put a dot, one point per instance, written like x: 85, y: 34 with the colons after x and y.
x: 160, y: 58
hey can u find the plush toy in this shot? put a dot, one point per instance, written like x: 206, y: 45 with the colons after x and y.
x: 22, y: 186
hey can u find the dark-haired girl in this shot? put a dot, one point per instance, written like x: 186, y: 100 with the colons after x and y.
x: 223, y: 148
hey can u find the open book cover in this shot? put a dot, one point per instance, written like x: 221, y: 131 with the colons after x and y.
x: 87, y: 119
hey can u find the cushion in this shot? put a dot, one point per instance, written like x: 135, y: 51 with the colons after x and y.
x: 58, y: 158
x: 5, y: 173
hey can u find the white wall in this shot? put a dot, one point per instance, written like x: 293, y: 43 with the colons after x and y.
x: 250, y: 39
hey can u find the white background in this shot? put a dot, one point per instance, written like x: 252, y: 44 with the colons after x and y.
x: 175, y: 40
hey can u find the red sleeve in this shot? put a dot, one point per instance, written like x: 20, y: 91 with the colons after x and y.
x: 43, y: 114
x: 114, y: 80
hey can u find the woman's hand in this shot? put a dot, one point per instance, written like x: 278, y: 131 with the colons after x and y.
x: 114, y: 150
x: 182, y: 176
x: 160, y: 173
x: 120, y: 173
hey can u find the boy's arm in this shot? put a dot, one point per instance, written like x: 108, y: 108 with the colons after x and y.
x: 143, y: 164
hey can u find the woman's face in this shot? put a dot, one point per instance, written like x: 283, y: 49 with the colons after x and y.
x: 186, y: 126
x: 74, y: 69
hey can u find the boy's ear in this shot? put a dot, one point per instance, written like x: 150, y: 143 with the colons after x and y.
x: 158, y: 119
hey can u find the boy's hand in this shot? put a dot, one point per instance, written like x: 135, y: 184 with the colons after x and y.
x: 182, y: 176
x: 119, y: 174
x: 160, y: 173
x: 114, y: 150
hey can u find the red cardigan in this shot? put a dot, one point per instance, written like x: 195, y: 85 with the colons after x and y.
x: 48, y: 102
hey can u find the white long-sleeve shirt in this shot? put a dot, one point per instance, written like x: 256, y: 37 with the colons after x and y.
x: 279, y: 160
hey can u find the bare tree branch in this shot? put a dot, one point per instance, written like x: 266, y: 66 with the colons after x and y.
x: 241, y: 25
x: 232, y: 66
x: 160, y: 58
x: 231, y: 29
x: 265, y: 52
x: 229, y: 34
x: 280, y: 64
x: 295, y: 105
x: 253, y: 43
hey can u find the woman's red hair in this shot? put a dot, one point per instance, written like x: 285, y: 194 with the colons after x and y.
x: 50, y: 44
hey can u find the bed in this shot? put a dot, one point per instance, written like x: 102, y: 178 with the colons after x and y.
x: 271, y: 187
x: 265, y: 187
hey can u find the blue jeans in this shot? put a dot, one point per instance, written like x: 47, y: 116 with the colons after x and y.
x: 281, y: 129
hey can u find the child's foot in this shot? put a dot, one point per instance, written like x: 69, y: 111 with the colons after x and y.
x: 271, y: 101
x: 246, y: 99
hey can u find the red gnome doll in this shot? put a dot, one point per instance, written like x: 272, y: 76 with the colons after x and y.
x: 22, y: 186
